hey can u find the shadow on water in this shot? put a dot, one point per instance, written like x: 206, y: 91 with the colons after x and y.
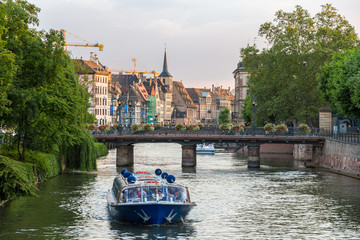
x: 188, y: 169
x: 133, y: 231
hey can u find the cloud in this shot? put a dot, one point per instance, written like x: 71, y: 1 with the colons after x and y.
x: 203, y: 37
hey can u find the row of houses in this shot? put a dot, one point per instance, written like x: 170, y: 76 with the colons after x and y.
x: 126, y: 99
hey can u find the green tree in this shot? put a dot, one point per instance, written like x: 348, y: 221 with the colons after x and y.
x: 246, y: 112
x: 224, y: 116
x: 7, y: 66
x: 339, y: 82
x: 48, y: 106
x: 284, y: 77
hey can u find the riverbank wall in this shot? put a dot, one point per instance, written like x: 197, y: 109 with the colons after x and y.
x: 336, y: 156
x: 341, y: 157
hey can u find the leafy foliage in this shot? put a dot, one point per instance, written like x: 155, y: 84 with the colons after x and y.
x: 7, y: 66
x: 304, y: 128
x: 48, y: 106
x: 82, y: 155
x: 246, y: 112
x: 284, y: 77
x: 101, y: 149
x: 44, y: 165
x: 16, y: 179
x: 339, y: 82
x: 224, y: 116
x: 226, y: 127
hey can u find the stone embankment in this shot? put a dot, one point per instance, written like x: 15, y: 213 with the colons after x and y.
x: 336, y: 156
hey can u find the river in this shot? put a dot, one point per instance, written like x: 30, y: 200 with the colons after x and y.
x: 281, y: 200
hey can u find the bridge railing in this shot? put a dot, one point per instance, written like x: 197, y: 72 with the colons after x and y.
x: 345, y: 137
x: 248, y: 131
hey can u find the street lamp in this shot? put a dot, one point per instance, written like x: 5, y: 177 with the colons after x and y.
x: 130, y: 112
x: 174, y: 115
x: 119, y: 110
x: 253, y: 109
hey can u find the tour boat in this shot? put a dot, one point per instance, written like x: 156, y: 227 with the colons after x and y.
x: 148, y: 199
x: 205, y: 148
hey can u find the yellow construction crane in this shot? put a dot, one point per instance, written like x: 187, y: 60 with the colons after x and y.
x: 138, y: 73
x: 85, y: 44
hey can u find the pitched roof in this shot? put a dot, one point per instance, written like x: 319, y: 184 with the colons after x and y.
x: 194, y: 94
x: 89, y: 67
x: 124, y: 79
x: 142, y: 91
x: 184, y: 94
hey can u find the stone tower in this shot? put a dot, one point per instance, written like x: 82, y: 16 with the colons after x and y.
x: 165, y: 76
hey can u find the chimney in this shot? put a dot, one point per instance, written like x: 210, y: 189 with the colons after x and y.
x: 92, y: 56
x: 96, y: 59
x: 212, y: 88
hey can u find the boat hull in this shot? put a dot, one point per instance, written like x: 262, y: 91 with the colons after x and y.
x: 151, y: 212
x: 205, y: 151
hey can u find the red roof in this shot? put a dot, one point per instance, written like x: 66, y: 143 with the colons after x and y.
x: 143, y: 91
x: 92, y: 64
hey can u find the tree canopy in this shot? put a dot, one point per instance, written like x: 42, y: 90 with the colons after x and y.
x: 45, y: 104
x: 7, y: 66
x: 224, y: 116
x: 339, y: 81
x: 283, y: 77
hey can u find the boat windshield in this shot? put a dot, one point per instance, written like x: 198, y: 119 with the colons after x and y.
x: 154, y: 193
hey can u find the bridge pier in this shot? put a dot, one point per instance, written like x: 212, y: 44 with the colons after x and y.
x: 254, y: 156
x: 316, y: 154
x: 124, y: 155
x: 188, y: 155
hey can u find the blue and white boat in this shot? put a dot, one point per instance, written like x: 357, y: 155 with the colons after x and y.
x: 205, y: 148
x: 148, y: 199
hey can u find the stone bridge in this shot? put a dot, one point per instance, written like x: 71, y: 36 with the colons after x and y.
x: 124, y: 142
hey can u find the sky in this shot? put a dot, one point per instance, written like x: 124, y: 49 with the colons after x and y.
x: 203, y: 38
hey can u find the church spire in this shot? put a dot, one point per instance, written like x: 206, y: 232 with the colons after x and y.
x: 165, y: 72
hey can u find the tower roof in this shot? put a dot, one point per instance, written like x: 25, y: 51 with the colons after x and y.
x: 165, y: 72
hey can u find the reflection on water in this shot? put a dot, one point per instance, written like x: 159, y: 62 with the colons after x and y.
x: 281, y: 200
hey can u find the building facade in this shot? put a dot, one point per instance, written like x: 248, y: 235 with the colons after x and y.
x: 206, y: 107
x: 97, y: 80
x: 241, y: 91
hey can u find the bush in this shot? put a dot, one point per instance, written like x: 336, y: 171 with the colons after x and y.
x: 178, y: 126
x: 101, y: 149
x: 104, y: 128
x: 282, y: 128
x: 193, y: 127
x: 44, y: 165
x: 81, y: 156
x: 137, y: 127
x: 226, y: 127
x: 147, y: 127
x: 270, y: 127
x: 16, y: 179
x: 304, y: 128
x: 239, y: 127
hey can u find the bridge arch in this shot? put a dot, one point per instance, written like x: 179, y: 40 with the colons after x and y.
x: 125, y: 154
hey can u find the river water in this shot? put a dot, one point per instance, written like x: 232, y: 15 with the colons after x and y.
x: 281, y: 200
